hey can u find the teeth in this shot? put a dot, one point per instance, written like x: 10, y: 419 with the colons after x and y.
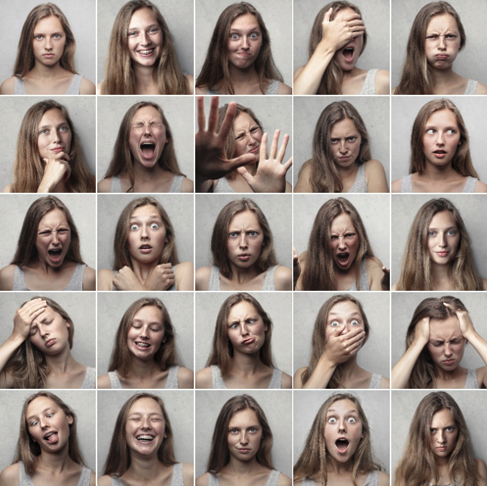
x: 144, y: 345
x: 145, y: 437
x: 48, y: 435
x: 147, y: 52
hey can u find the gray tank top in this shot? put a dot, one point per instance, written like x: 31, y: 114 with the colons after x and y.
x: 471, y: 381
x: 360, y: 185
x: 222, y: 186
x: 176, y: 186
x: 172, y: 287
x: 272, y: 481
x: 171, y: 382
x: 272, y: 89
x: 218, y: 383
x: 76, y: 282
x: 26, y: 480
x: 369, y: 86
x: 214, y: 283
x: 90, y: 379
x: 177, y: 476
x: 407, y: 187
x: 371, y: 480
x: 471, y: 87
x: 74, y: 87
x: 364, y: 278
x: 375, y: 382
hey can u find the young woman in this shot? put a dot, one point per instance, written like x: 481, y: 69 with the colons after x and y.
x: 436, y: 38
x: 241, y: 447
x: 440, y: 153
x: 339, y: 255
x: 48, y: 252
x: 341, y: 329
x: 341, y: 160
x: 145, y: 251
x: 338, y: 448
x: 47, y: 450
x: 49, y: 157
x: 243, y: 252
x: 246, y: 136
x: 144, y: 159
x: 241, y: 354
x: 45, y: 57
x: 141, y: 55
x: 438, y: 449
x: 435, y: 343
x: 144, y: 353
x: 438, y: 254
x: 142, y: 448
x: 337, y: 40
x: 38, y: 352
x: 239, y: 58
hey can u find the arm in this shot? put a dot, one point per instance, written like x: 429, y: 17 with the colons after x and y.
x: 89, y: 279
x: 284, y: 89
x: 190, y: 83
x: 379, y: 276
x: 284, y: 480
x: 202, y: 278
x: 105, y: 185
x: 105, y: 279
x: 10, y: 475
x: 303, y: 184
x: 286, y: 381
x: 8, y: 86
x: 188, y: 474
x: 396, y: 186
x: 162, y: 277
x: 7, y: 277
x: 105, y: 481
x: 382, y: 82
x: 299, y: 265
x: 103, y: 381
x: 204, y: 379
x: 283, y: 278
x: 385, y: 383
x: 384, y: 479
x: 482, y: 472
x: 375, y: 176
x: 185, y: 378
x: 188, y: 185
x: 93, y: 479
x: 404, y: 367
x: 203, y: 480
x: 185, y: 276
x: 480, y: 187
x: 87, y: 87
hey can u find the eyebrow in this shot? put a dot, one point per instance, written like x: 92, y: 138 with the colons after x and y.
x: 150, y: 323
x: 356, y: 313
x: 450, y: 127
x: 446, y: 229
x: 44, y: 411
x: 253, y: 29
x: 136, y: 414
x: 350, y: 411
x: 148, y: 27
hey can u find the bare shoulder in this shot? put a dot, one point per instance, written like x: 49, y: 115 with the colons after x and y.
x: 298, y: 72
x: 481, y: 89
x: 185, y: 378
x: 87, y: 87
x: 103, y: 381
x: 284, y: 89
x: 8, y: 188
x: 7, y: 277
x: 93, y: 475
x: 105, y: 480
x: 204, y: 379
x: 384, y: 479
x: 303, y: 184
x: 373, y: 265
x: 382, y: 82
x: 479, y: 187
x: 105, y: 279
x: 202, y: 278
x: 289, y: 187
x: 105, y: 185
x: 298, y: 483
x: 184, y: 276
x: 190, y: 82
x: 385, y: 383
x: 8, y: 86
x: 188, y: 474
x: 374, y: 272
x: 375, y: 176
x: 89, y: 279
x: 298, y: 381
x: 203, y: 480
x: 283, y: 278
x: 188, y: 185
x: 284, y: 480
x: 201, y: 91
x: 396, y: 185
x: 99, y: 88
x: 484, y: 283
x: 372, y: 166
x: 10, y: 475
x: 286, y: 381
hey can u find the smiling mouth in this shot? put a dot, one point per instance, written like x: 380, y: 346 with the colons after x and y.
x: 145, y: 439
x: 147, y: 52
x: 348, y: 53
x: 51, y: 437
x: 142, y: 345
x: 342, y: 445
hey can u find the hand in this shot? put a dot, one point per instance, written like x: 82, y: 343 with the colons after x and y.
x: 211, y: 160
x: 385, y: 281
x: 25, y: 316
x: 271, y: 173
x: 56, y: 170
x: 161, y: 278
x: 341, y: 345
x: 466, y: 324
x: 422, y: 331
x: 341, y: 31
x: 127, y: 280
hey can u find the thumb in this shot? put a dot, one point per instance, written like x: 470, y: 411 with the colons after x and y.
x: 245, y: 174
x: 328, y: 14
x: 240, y: 161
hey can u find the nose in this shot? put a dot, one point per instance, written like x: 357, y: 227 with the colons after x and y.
x: 441, y: 437
x: 144, y: 232
x: 442, y: 242
x: 243, y: 240
x: 342, y: 424
x: 145, y: 424
x: 48, y: 45
x: 439, y: 139
x: 343, y: 147
x: 243, y: 438
x: 144, y: 331
x: 144, y: 38
x: 341, y: 243
x: 245, y: 42
x: 442, y: 44
x: 448, y: 351
x: 243, y: 328
x: 43, y: 422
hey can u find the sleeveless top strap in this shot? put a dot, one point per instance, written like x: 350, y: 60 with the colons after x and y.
x: 273, y: 87
x: 213, y: 480
x: 19, y: 88
x: 172, y: 378
x: 85, y: 477
x: 406, y: 185
x: 216, y: 378
x: 269, y: 279
x: 471, y: 87
x: 470, y: 185
x: 76, y: 282
x: 117, y: 482
x: 116, y: 184
x: 471, y: 381
x: 368, y: 87
x: 114, y: 380
x: 214, y: 283
x: 273, y: 478
x: 308, y: 482
x: 177, y: 475
x: 372, y: 479
x: 375, y: 382
x: 276, y: 380
x: 19, y: 280
x: 75, y: 85
x: 364, y: 278
x: 24, y: 478
x: 177, y: 184
x: 89, y: 382
x: 360, y: 184
x: 222, y: 186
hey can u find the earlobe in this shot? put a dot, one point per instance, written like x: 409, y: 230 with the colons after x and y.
x: 70, y: 420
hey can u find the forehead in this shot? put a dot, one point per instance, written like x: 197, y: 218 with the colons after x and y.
x: 443, y: 117
x: 143, y: 16
x: 53, y: 116
x: 443, y: 219
x: 344, y: 308
x: 445, y: 328
x: 39, y: 404
x: 242, y: 122
x: 242, y: 417
x: 344, y: 13
x: 245, y: 218
x: 342, y: 222
x: 145, y: 405
x: 149, y: 313
x: 442, y: 416
x: 54, y: 217
x: 147, y: 211
x: 147, y: 113
x: 442, y: 22
x: 343, y: 127
x: 245, y: 21
x: 51, y: 23
x: 242, y: 307
x: 343, y: 406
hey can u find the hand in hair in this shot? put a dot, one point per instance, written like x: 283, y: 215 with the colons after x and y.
x: 211, y: 161
x: 271, y: 172
x: 339, y: 32
x: 56, y: 170
x: 161, y: 278
x: 466, y: 324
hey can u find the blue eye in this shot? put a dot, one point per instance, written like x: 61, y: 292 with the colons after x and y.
x: 355, y: 323
x: 233, y: 234
x: 234, y: 36
x: 332, y: 420
x: 351, y: 420
x: 452, y: 232
x: 254, y: 36
x: 334, y: 324
x: 430, y: 131
x: 252, y: 233
x: 431, y: 233
x: 154, y: 226
x: 34, y: 423
x: 134, y: 227
x: 352, y: 139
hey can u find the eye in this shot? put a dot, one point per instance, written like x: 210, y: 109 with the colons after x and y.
x: 132, y: 33
x: 352, y: 420
x: 254, y: 129
x: 452, y: 232
x: 45, y: 131
x: 134, y: 227
x: 451, y: 131
x: 233, y: 326
x: 334, y: 237
x: 432, y: 36
x: 154, y: 329
x: 254, y: 35
x: 252, y: 233
x: 233, y: 234
x: 234, y: 431
x: 154, y: 226
x: 63, y: 230
x: 332, y: 420
x: 450, y: 36
x: 450, y: 429
x: 251, y: 321
x: 437, y: 344
x: 57, y: 36
x: 136, y: 326
x: 431, y: 131
x: 431, y: 233
x: 252, y: 429
x: 154, y: 30
x: 239, y: 137
x: 49, y: 415
x: 234, y: 36
x: 34, y: 423
x: 334, y: 324
x: 456, y: 341
x: 64, y: 128
x: 355, y: 323
x: 334, y: 140
x: 38, y: 37
x: 349, y: 235
x: 432, y: 431
x: 352, y: 139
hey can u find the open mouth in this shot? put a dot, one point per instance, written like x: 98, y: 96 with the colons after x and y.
x: 145, y: 439
x: 348, y: 53
x: 147, y: 52
x: 51, y: 437
x: 148, y: 149
x: 343, y: 258
x: 142, y: 345
x: 342, y: 445
x: 55, y: 255
x: 145, y: 248
x: 440, y: 153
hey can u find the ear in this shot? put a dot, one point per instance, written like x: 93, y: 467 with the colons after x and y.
x: 70, y: 419
x: 266, y: 327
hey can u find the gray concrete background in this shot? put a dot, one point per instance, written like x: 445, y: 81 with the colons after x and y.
x: 179, y: 207
x: 83, y: 403
x: 278, y: 307
x: 404, y: 304
x: 471, y: 61
x: 277, y: 406
x: 277, y: 210
x: 179, y: 408
x: 472, y: 209
x: 277, y: 15
x: 80, y: 307
x: 375, y: 14
x: 373, y: 209
x: 405, y: 402
x: 404, y: 112
x: 82, y: 110
x: 376, y: 408
x: 273, y: 112
x: 374, y: 356
x: 112, y: 307
x: 178, y: 15
x: 179, y: 114
x: 373, y: 110
x: 82, y: 20
x: 14, y: 208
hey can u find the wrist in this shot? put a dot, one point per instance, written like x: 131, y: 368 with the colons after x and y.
x: 17, y: 338
x: 327, y: 363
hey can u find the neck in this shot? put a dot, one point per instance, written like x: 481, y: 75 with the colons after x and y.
x: 347, y: 171
x: 55, y: 462
x: 62, y: 362
x: 242, y: 468
x: 46, y: 269
x: 144, y: 75
x: 339, y: 468
x: 449, y: 375
x: 247, y: 364
x: 148, y: 174
x: 442, y: 77
x: 242, y: 275
x: 352, y: 73
x: 442, y: 463
x: 142, y: 271
x: 435, y: 173
x: 243, y: 76
x: 349, y: 368
x: 144, y: 467
x: 142, y: 369
x: 41, y: 71
x: 441, y: 275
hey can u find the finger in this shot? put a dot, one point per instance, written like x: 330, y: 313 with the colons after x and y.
x: 354, y: 16
x: 355, y: 339
x: 283, y: 148
x: 166, y: 265
x: 240, y: 161
x: 288, y: 164
x: 213, y: 116
x: 263, y: 148
x: 275, y: 143
x: 200, y: 101
x: 245, y: 174
x: 227, y: 121
x: 327, y: 16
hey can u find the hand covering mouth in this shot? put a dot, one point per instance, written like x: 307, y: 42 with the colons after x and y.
x: 51, y: 437
x: 342, y: 445
x: 148, y: 149
x: 145, y: 438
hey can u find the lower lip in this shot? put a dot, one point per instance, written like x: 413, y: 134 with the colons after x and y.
x: 140, y: 348
x: 56, y: 258
x: 145, y: 250
x: 57, y: 150
x: 439, y: 156
x: 255, y: 150
x: 243, y: 451
x: 441, y: 58
x: 48, y: 56
x: 250, y: 341
x: 441, y: 449
x: 343, y: 159
x: 443, y: 254
x: 146, y: 55
x: 449, y: 362
x: 50, y: 343
x: 244, y: 258
x: 343, y: 452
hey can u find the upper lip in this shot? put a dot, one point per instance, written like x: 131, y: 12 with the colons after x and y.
x: 442, y: 55
x: 145, y: 245
x: 49, y: 433
x: 243, y: 254
x: 443, y: 151
x: 249, y: 340
x: 49, y: 341
x: 254, y: 149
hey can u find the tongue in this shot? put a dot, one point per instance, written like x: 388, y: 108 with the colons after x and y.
x: 148, y: 151
x: 348, y: 54
x: 342, y: 446
x: 53, y: 439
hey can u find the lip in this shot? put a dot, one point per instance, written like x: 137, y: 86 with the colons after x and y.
x: 49, y: 343
x: 442, y: 57
x: 57, y: 150
x: 140, y: 441
x: 442, y: 254
x: 441, y: 449
x: 344, y: 158
x: 448, y: 362
x: 243, y: 451
x: 352, y: 59
x: 343, y: 452
x: 146, y: 52
x: 343, y: 263
x: 48, y: 55
x: 145, y: 249
x: 142, y: 348
x: 248, y: 341
x: 244, y: 257
x: 49, y: 434
x: 440, y: 154
x: 55, y: 259
x: 255, y: 150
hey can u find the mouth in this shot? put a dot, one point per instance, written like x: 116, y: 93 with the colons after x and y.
x: 55, y: 255
x: 248, y: 341
x: 442, y: 254
x: 441, y: 449
x: 255, y: 150
x: 244, y: 257
x: 348, y: 53
x: 146, y: 52
x: 342, y: 445
x: 343, y: 259
x: 51, y: 437
x: 57, y: 149
x: 143, y: 346
x: 440, y: 154
x: 448, y: 362
x: 344, y: 158
x: 145, y: 249
x: 442, y: 57
x: 243, y: 451
x: 48, y: 55
x: 50, y: 343
x: 148, y: 150
x: 145, y: 438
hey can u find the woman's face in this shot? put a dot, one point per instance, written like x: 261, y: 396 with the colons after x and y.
x: 348, y: 55
x: 54, y: 135
x: 441, y: 137
x: 244, y: 42
x: 248, y: 135
x: 244, y: 435
x: 443, y: 433
x: 246, y: 329
x: 345, y: 241
x: 49, y: 41
x: 442, y: 41
x: 49, y: 332
x: 146, y: 333
x: 345, y: 143
x: 53, y: 238
x: 446, y: 344
x: 144, y: 38
x: 145, y: 427
x: 443, y: 238
x: 147, y: 137
x: 343, y: 430
x: 147, y: 234
x: 47, y: 424
x: 344, y: 315
x: 245, y: 239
